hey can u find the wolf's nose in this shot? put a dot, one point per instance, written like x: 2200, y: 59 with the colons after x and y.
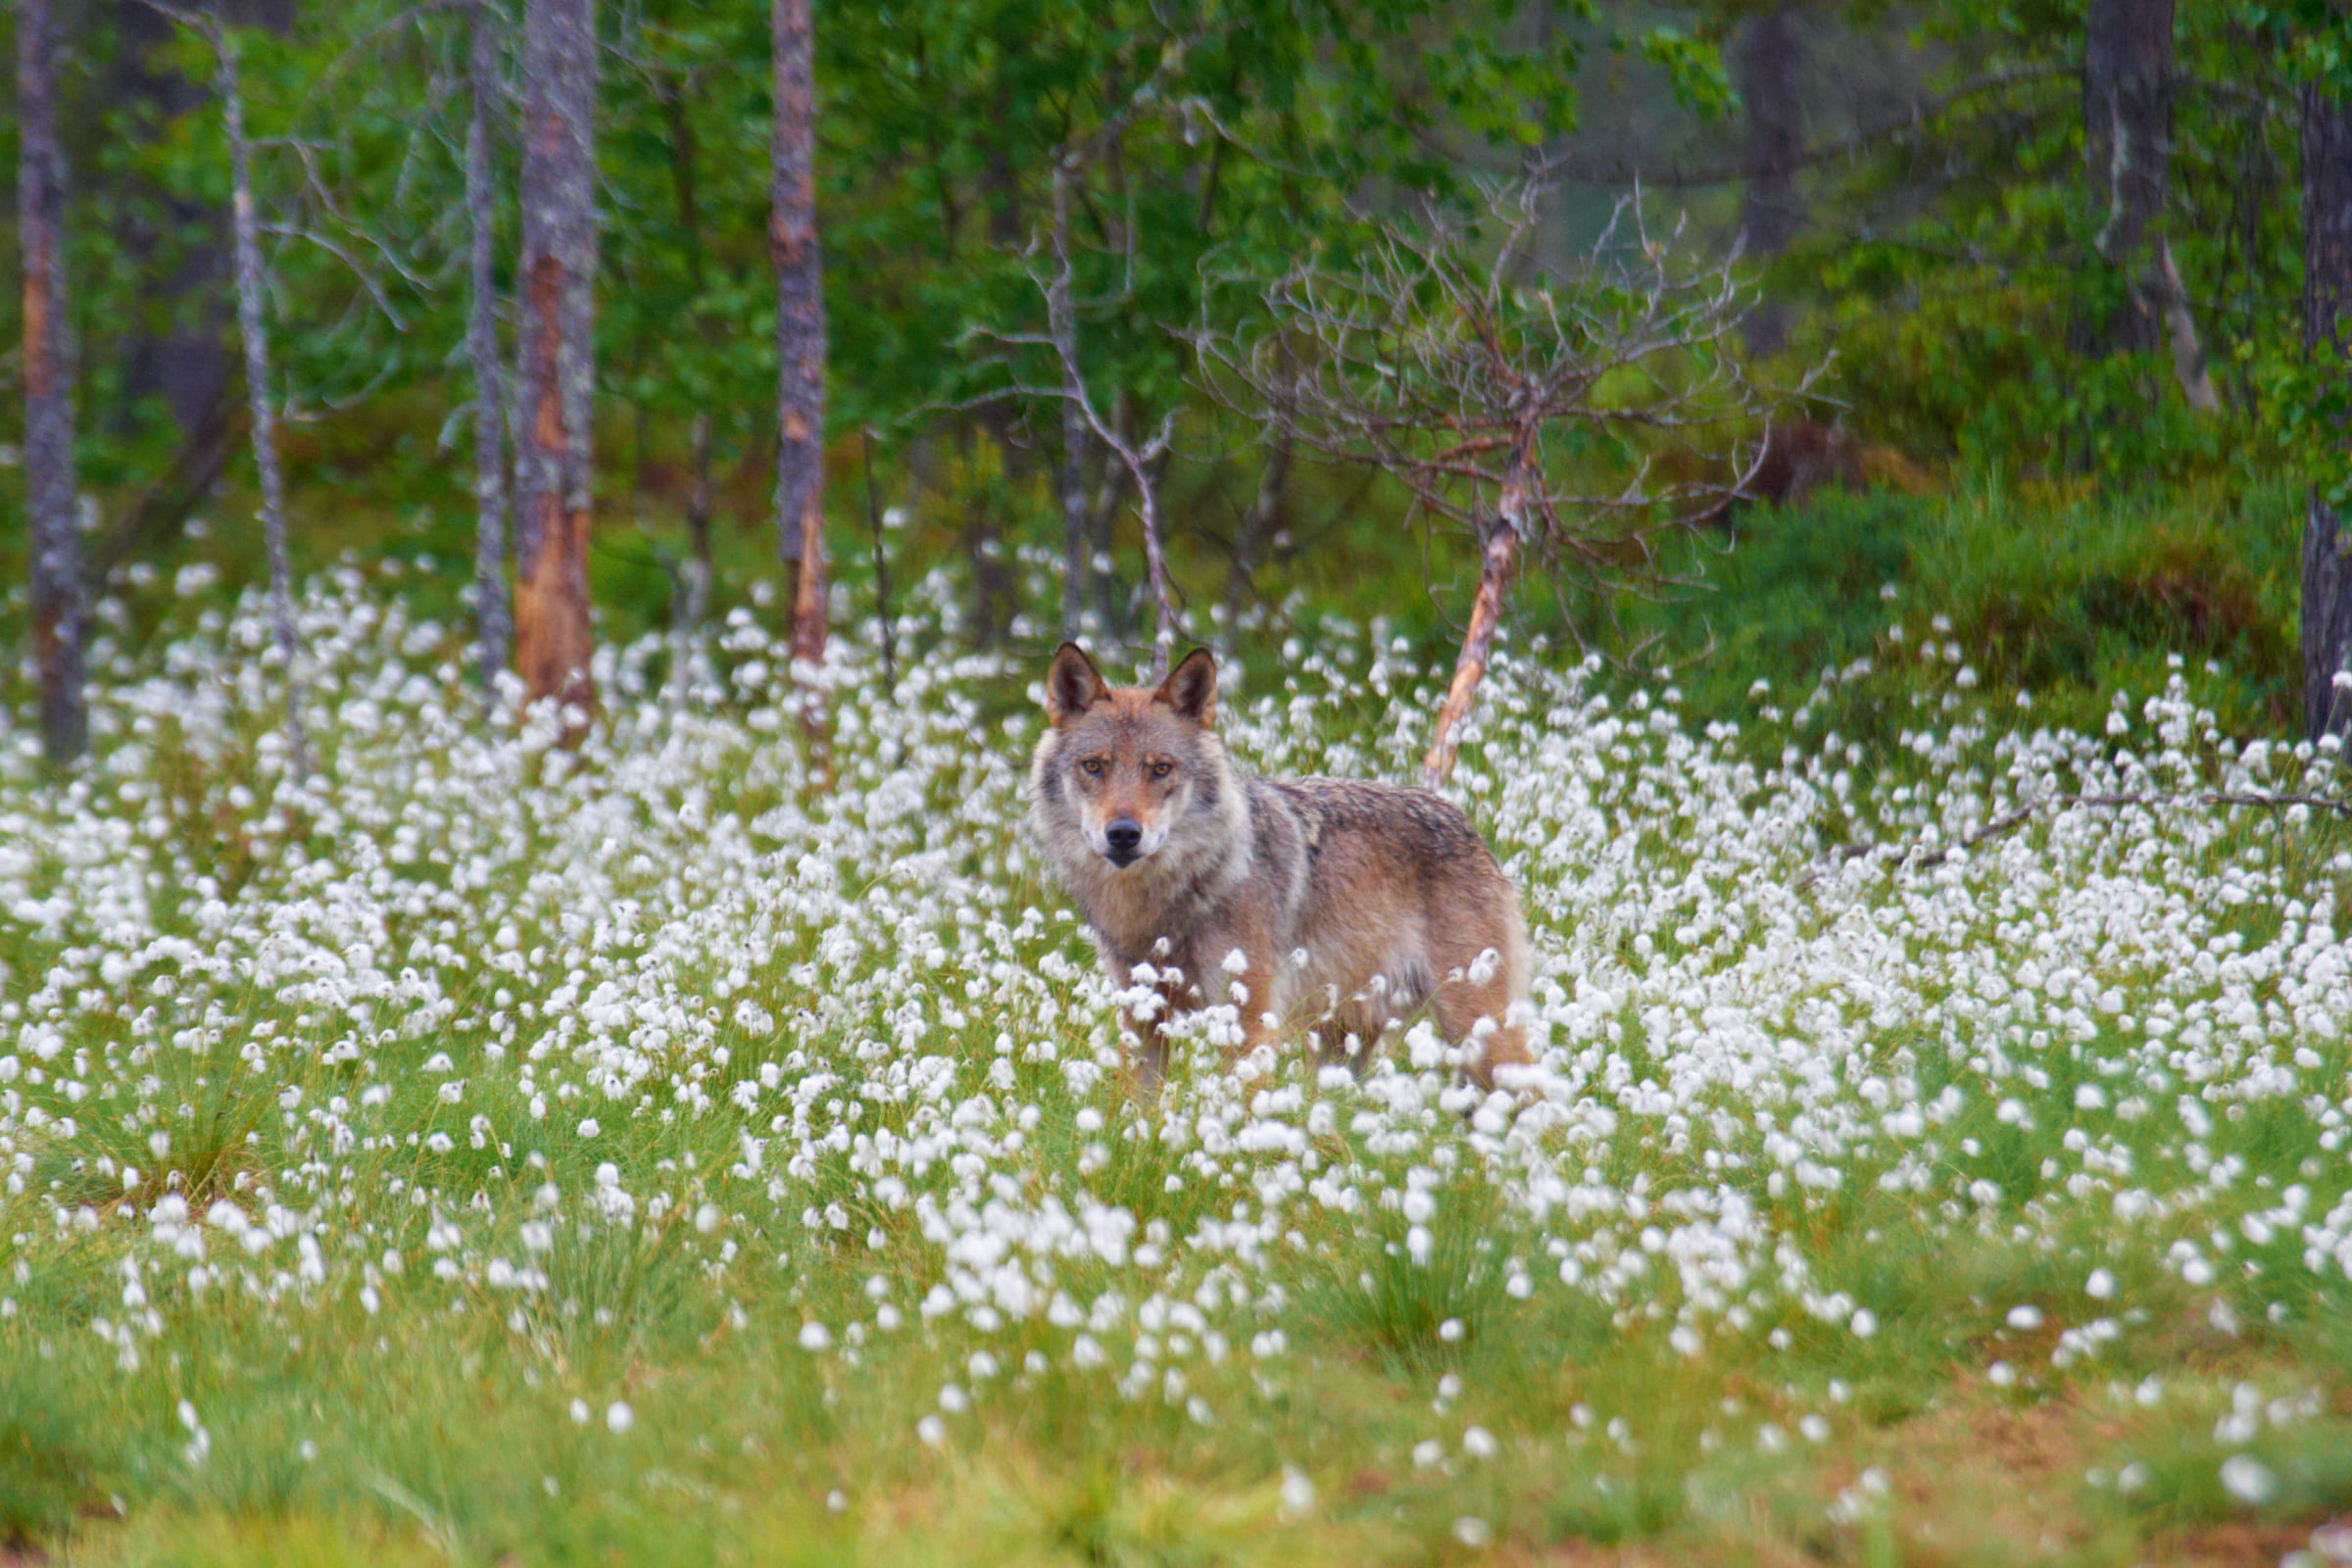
x: 1125, y: 836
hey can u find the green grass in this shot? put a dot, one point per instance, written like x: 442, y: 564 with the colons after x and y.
x: 903, y: 1274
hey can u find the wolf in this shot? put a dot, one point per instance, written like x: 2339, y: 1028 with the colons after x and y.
x: 1332, y: 904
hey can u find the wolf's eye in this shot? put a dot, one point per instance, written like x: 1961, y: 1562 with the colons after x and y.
x: 1092, y: 767
x: 1162, y: 770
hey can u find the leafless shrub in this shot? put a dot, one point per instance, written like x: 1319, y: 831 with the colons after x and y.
x: 1570, y: 420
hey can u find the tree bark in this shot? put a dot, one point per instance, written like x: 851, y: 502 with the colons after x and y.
x: 2127, y: 148
x: 1061, y: 320
x: 183, y: 360
x: 2327, y: 316
x: 694, y: 596
x: 1502, y: 559
x: 800, y: 329
x: 179, y: 357
x: 59, y: 608
x: 553, y: 467
x: 253, y: 327
x: 481, y: 343
x: 1771, y: 64
x: 2128, y: 139
x: 1251, y: 533
x: 1155, y: 563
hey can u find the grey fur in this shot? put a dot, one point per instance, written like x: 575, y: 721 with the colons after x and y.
x: 1389, y: 892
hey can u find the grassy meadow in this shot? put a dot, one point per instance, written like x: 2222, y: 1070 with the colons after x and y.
x: 699, y: 1151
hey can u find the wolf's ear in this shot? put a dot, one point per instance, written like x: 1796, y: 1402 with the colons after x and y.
x: 1192, y: 688
x: 1073, y: 685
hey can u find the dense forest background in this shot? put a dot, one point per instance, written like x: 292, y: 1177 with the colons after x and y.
x: 1999, y: 263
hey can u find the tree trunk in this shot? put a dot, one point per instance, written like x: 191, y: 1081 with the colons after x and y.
x: 553, y: 469
x: 1061, y: 320
x: 60, y: 612
x: 799, y: 330
x: 1156, y: 570
x: 699, y: 504
x: 2127, y: 140
x: 2127, y: 148
x: 1252, y: 532
x: 2327, y: 315
x: 1486, y: 615
x: 180, y: 354
x: 481, y: 345
x: 1771, y: 66
x: 873, y: 519
x: 254, y: 328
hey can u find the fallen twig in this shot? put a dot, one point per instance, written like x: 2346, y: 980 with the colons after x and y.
x: 1921, y: 857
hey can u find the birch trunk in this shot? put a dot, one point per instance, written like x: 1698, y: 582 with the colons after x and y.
x: 1156, y: 567
x: 553, y: 467
x: 59, y: 608
x: 253, y: 327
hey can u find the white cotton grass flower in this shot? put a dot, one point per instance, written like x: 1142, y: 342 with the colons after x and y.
x: 887, y: 1051
x: 618, y: 1417
x: 2249, y: 1480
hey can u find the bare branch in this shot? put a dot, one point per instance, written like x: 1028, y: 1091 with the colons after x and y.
x: 1565, y: 420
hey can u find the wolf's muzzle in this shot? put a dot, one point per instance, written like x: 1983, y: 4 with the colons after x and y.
x: 1125, y: 840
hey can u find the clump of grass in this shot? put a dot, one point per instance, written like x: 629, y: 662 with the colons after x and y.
x: 1417, y: 1290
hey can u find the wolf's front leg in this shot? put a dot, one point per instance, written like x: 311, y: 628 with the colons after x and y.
x: 1144, y: 1021
x: 1241, y: 975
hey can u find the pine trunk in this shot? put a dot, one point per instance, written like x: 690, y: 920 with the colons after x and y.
x: 1771, y: 62
x: 2128, y: 142
x: 553, y: 467
x: 799, y: 330
x: 481, y: 344
x: 60, y: 612
x: 2327, y: 316
x: 1061, y: 320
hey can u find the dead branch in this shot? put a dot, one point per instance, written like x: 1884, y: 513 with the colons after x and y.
x: 1570, y: 421
x: 1914, y: 856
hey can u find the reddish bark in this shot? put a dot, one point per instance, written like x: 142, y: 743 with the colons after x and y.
x: 553, y: 469
x: 1486, y: 615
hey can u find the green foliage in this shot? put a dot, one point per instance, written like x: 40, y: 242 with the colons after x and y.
x: 1875, y: 604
